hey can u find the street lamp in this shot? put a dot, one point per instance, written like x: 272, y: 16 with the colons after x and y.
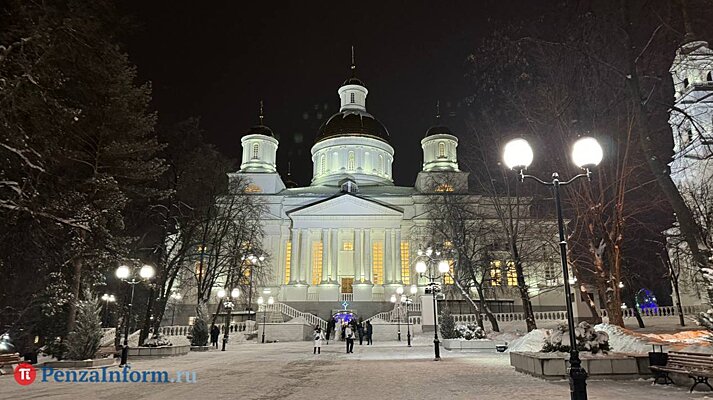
x: 426, y: 266
x: 408, y: 300
x: 107, y: 298
x: 176, y: 297
x: 228, y: 305
x: 253, y: 260
x: 398, y: 312
x: 260, y: 303
x: 586, y: 154
x: 124, y: 273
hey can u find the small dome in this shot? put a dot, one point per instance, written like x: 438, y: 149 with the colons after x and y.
x: 353, y: 81
x: 353, y: 123
x: 438, y: 130
x: 260, y: 130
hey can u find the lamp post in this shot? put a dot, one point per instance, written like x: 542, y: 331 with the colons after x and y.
x: 433, y: 268
x: 408, y: 300
x: 124, y: 273
x: 260, y: 302
x: 586, y: 154
x: 398, y: 312
x: 253, y: 260
x: 228, y: 304
x: 176, y: 297
x: 107, y: 298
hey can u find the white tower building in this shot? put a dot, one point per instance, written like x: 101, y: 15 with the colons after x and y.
x: 440, y: 171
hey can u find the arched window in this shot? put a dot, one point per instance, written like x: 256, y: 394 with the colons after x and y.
x: 685, y: 83
x: 256, y: 151
x: 381, y: 164
x: 441, y: 150
x: 709, y: 76
x: 352, y: 97
x: 323, y: 164
x: 350, y: 161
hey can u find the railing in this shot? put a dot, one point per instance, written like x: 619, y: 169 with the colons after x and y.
x: 666, y: 311
x: 384, y: 315
x: 346, y: 296
x: 416, y: 306
x: 185, y: 330
x: 295, y: 313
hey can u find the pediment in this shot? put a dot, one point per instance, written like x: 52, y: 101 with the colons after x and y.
x: 346, y: 205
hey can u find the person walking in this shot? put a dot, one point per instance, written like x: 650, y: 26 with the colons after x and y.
x: 318, y: 336
x: 369, y: 332
x: 330, y: 328
x: 349, y: 336
x: 214, y: 334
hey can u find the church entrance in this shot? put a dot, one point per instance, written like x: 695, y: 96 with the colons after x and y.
x: 344, y: 317
x: 347, y: 285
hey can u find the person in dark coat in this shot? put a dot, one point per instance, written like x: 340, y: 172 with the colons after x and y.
x: 330, y: 328
x: 214, y: 334
x: 360, y: 331
x: 369, y: 332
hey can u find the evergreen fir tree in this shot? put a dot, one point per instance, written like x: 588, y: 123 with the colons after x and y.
x: 84, y: 341
x: 448, y: 324
x: 200, y: 333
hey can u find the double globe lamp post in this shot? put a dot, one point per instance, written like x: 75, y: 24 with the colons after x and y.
x: 261, y: 304
x: 107, y: 298
x: 433, y: 268
x: 228, y: 305
x: 125, y: 274
x: 404, y: 300
x: 586, y: 154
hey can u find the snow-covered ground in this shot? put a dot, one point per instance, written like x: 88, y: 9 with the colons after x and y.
x: 383, y: 371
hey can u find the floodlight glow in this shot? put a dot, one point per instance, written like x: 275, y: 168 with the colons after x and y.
x: 393, y: 298
x: 235, y: 293
x: 221, y: 293
x: 400, y: 290
x: 414, y: 289
x: 517, y: 154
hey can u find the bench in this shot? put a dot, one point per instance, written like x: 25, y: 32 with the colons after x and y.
x: 697, y: 366
x: 8, y: 360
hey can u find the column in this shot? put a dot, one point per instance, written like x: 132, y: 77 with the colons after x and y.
x: 326, y: 249
x: 295, y: 257
x: 388, y: 257
x: 357, y: 255
x: 334, y: 249
x: 305, y: 256
x: 397, y: 255
x: 368, y: 263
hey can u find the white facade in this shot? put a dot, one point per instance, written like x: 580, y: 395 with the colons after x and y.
x: 352, y: 234
x: 691, y: 121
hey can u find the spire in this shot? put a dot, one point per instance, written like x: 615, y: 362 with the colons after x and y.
x: 438, y: 111
x: 690, y: 35
x: 262, y: 115
x: 353, y: 67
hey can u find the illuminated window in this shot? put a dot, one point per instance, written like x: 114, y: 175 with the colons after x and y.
x: 256, y: 151
x: 252, y: 188
x: 447, y: 245
x: 348, y: 245
x: 444, y: 187
x: 323, y: 164
x: 316, y: 263
x: 448, y: 278
x: 377, y: 266
x: 441, y: 150
x: 200, y: 270
x: 495, y: 272
x: 405, y: 263
x: 550, y: 274
x: 288, y: 259
x: 352, y: 98
x: 511, y: 274
x: 350, y: 161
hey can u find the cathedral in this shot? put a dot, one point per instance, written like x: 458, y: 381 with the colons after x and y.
x: 352, y: 235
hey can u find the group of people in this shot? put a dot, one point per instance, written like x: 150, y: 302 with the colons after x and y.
x: 345, y: 331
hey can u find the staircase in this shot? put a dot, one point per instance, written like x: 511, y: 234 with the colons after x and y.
x: 295, y: 313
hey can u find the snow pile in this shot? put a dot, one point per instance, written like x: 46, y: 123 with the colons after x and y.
x: 108, y: 337
x: 531, y: 342
x: 623, y: 340
x: 470, y: 332
x: 298, y: 320
x: 588, y: 339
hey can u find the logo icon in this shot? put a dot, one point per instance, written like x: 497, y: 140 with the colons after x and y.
x: 25, y: 374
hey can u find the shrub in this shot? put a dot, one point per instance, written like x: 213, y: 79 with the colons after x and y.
x: 588, y: 340
x: 84, y: 341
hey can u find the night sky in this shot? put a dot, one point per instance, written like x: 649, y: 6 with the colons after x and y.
x: 218, y: 59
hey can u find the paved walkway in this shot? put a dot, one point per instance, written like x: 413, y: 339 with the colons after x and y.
x: 384, y: 371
